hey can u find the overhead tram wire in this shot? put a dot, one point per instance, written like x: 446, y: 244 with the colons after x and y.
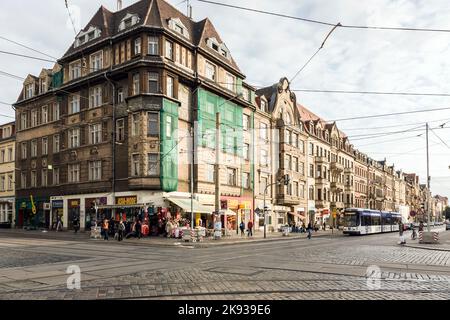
x: 373, y: 92
x: 432, y: 130
x: 71, y: 19
x: 27, y: 47
x: 349, y: 26
x: 26, y: 56
x: 394, y: 126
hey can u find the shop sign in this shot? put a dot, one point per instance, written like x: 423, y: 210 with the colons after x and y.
x: 233, y: 204
x: 58, y: 204
x: 23, y: 205
x: 123, y: 201
x: 33, y: 206
x: 75, y: 203
x: 246, y: 205
x: 90, y: 202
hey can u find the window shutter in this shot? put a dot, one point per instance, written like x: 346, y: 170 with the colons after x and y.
x: 105, y: 136
x: 117, y: 55
x: 83, y: 136
x: 177, y: 52
x: 128, y: 49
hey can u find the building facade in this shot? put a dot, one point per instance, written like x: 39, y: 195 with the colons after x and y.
x: 7, y: 173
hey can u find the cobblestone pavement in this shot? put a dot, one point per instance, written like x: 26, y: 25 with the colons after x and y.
x: 321, y: 268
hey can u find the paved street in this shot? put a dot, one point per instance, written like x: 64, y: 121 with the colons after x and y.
x: 325, y: 267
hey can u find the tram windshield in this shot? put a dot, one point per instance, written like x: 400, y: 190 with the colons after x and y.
x: 351, y: 219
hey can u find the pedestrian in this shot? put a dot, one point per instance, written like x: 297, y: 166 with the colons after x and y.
x: 121, y: 230
x: 242, y: 227
x: 59, y: 224
x: 76, y: 224
x: 138, y: 228
x: 105, y: 228
x: 420, y: 226
x: 402, y: 238
x: 324, y: 226
x: 309, y: 230
x: 250, y: 228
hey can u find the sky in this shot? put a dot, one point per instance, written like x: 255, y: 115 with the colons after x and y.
x: 267, y: 48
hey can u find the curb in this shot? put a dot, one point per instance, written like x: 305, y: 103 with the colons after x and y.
x: 427, y: 248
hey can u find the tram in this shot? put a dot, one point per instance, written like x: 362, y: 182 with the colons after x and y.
x: 365, y: 221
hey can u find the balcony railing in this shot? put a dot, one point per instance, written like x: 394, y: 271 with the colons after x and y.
x: 337, y: 186
x: 320, y: 159
x: 336, y: 167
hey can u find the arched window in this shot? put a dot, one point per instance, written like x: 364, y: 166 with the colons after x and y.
x: 287, y: 118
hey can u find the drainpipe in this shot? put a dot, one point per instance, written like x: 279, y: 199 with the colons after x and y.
x: 113, y: 137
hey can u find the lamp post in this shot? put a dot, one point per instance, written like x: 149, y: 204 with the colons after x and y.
x: 285, y: 179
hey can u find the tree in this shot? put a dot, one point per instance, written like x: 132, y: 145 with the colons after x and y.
x: 447, y: 212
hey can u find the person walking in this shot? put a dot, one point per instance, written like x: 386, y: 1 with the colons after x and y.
x: 250, y: 228
x: 138, y: 227
x: 400, y: 232
x: 105, y: 228
x: 242, y: 227
x: 121, y: 230
x: 309, y: 230
x: 59, y: 224
x: 76, y: 224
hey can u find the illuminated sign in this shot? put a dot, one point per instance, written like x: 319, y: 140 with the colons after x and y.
x: 126, y: 200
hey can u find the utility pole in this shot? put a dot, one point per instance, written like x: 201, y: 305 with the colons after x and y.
x: 192, y: 176
x: 428, y: 185
x: 217, y: 172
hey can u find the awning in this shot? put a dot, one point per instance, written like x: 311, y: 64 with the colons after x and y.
x: 185, y: 205
x: 228, y: 212
x: 125, y: 206
x: 297, y: 215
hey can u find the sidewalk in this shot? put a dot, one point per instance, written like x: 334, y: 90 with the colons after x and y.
x: 443, y: 245
x: 232, y: 239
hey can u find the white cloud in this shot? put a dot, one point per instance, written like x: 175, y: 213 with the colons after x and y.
x: 267, y: 48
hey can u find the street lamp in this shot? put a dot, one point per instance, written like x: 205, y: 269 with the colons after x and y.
x: 285, y: 180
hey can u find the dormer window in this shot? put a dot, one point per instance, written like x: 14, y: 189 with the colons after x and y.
x: 88, y: 35
x: 263, y: 106
x: 220, y: 48
x: 29, y: 91
x: 128, y: 21
x: 176, y: 25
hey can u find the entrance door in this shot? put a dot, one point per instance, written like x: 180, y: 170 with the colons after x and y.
x: 20, y: 222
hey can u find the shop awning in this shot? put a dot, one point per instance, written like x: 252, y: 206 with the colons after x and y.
x: 120, y: 206
x: 185, y: 205
x: 297, y: 215
x: 228, y: 212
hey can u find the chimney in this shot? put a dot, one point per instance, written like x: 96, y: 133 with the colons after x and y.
x: 119, y: 5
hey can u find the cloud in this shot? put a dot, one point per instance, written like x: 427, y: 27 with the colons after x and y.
x: 267, y: 48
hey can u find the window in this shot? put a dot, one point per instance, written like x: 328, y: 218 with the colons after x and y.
x: 44, y: 146
x: 168, y: 126
x: 43, y: 86
x: 74, y: 104
x: 34, y: 118
x: 289, y: 189
x: 135, y: 125
x: 74, y: 70
x: 301, y: 146
x: 263, y: 131
x: 264, y: 157
x: 288, y: 163
x: 10, y: 182
x: 311, y: 171
x: 29, y: 91
x: 231, y: 176
x: 33, y: 179
x: 153, y: 82
x: 210, y: 173
x: 2, y: 183
x: 23, y: 180
x: 137, y: 46
x: 120, y: 95
x: 2, y: 156
x: 74, y: 173
x: 24, y: 150
x: 33, y: 148
x: 95, y: 170
x: 56, y: 112
x: 153, y: 168
x: 44, y: 177
x: 10, y: 154
x: 311, y: 149
x: 246, y: 180
x: 169, y: 50
x: 136, y: 84
x: 210, y: 71
x: 44, y: 114
x: 263, y: 184
x: 56, y: 143
x: 295, y: 164
x: 246, y: 123
x: 74, y: 138
x: 23, y: 121
x: 153, y: 124
x: 135, y: 168
x: 294, y: 140
x: 169, y: 87
x: 302, y: 168
x: 95, y: 133
x: 153, y: 46
x: 97, y: 61
x: 55, y: 176
x: 120, y: 130
x: 263, y: 106
x: 230, y: 79
x: 95, y: 97
x: 246, y: 151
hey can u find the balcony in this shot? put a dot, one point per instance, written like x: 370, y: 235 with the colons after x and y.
x: 287, y: 200
x: 349, y: 188
x: 348, y: 171
x: 322, y: 204
x: 337, y: 204
x: 337, y: 186
x: 322, y: 181
x: 320, y: 160
x: 336, y: 167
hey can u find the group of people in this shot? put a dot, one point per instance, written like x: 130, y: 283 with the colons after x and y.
x: 120, y: 231
x: 249, y: 228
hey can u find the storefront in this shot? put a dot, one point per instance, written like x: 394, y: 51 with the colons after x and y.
x: 7, y: 211
x: 32, y: 212
x: 57, y: 212
x: 92, y: 213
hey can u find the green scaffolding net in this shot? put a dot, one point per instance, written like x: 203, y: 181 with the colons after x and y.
x: 169, y: 146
